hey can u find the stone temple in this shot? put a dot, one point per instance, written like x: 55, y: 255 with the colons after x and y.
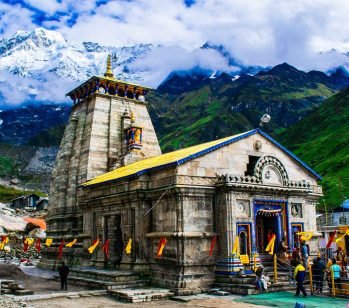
x: 111, y: 181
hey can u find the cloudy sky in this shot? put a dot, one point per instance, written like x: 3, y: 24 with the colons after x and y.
x: 263, y: 32
x: 309, y: 34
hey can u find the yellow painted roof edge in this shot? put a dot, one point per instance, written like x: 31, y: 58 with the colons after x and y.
x: 158, y: 161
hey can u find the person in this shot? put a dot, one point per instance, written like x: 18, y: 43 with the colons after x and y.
x: 304, y: 254
x: 283, y: 249
x: 318, y: 274
x: 295, y: 256
x: 336, y: 270
x: 261, y: 279
x: 63, y: 271
x: 299, y: 276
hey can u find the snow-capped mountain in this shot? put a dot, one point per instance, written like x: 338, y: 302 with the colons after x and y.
x: 31, y: 54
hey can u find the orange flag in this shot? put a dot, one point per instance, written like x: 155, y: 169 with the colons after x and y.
x: 38, y: 245
x: 161, y: 246
x: 213, y: 242
x: 70, y: 244
x: 105, y: 248
x: 93, y: 247
x: 60, y: 249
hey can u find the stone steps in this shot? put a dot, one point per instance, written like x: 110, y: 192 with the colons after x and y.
x: 105, y: 275
x: 109, y: 285
x: 141, y: 295
x: 249, y: 289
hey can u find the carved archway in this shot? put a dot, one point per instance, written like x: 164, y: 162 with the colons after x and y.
x: 269, y: 170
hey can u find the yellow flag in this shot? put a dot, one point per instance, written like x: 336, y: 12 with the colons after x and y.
x: 93, y: 247
x: 128, y: 246
x: 2, y: 245
x: 305, y: 236
x: 236, y: 248
x: 70, y: 244
x: 48, y: 242
x: 29, y: 241
x: 270, y: 246
x: 346, y: 233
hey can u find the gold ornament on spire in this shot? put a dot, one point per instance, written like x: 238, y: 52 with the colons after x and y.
x: 109, y: 72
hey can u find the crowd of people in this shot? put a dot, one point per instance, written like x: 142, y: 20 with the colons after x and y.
x: 320, y: 270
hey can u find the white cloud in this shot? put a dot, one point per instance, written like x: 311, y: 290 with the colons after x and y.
x: 15, y: 90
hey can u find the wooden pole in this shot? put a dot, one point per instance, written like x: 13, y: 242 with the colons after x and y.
x: 332, y: 282
x: 254, y: 262
x: 310, y: 279
x: 275, y: 269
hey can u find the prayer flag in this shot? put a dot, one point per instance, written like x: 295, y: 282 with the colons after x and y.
x: 4, y: 239
x: 128, y: 246
x: 305, y: 236
x: 93, y: 247
x: 161, y: 246
x: 60, y: 249
x: 48, y: 242
x: 29, y: 241
x: 213, y: 242
x: 105, y: 248
x: 38, y: 245
x: 70, y: 244
x: 346, y: 233
x: 236, y: 248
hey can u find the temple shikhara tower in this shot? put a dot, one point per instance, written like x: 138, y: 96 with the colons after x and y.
x: 112, y: 183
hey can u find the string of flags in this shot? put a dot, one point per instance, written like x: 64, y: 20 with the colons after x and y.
x: 28, y: 242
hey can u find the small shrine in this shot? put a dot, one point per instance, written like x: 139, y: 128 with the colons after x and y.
x: 133, y: 135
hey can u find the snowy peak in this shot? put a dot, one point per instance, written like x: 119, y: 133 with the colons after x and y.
x: 36, y: 53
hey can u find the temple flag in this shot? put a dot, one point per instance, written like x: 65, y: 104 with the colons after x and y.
x: 105, y: 248
x: 60, y: 249
x: 330, y: 240
x: 93, y: 247
x: 48, y: 242
x: 270, y: 246
x: 161, y: 246
x: 128, y: 246
x: 29, y: 241
x: 38, y: 245
x: 305, y: 236
x: 70, y: 244
x: 213, y: 242
x: 4, y: 240
x: 346, y: 233
x: 236, y: 249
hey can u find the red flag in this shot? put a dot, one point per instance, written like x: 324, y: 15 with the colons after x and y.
x: 38, y: 245
x: 161, y: 246
x: 105, y: 248
x: 3, y: 238
x: 60, y: 249
x: 331, y: 239
x: 26, y: 246
x: 213, y: 242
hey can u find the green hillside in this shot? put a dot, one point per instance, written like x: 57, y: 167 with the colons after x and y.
x: 322, y: 141
x: 209, y: 109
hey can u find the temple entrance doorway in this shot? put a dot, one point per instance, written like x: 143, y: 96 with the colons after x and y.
x: 270, y: 218
x: 119, y: 244
x: 267, y: 226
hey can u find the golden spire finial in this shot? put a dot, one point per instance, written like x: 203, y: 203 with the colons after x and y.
x: 109, y: 72
x: 133, y: 118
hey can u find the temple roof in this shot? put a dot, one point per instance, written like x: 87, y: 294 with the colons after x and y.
x: 181, y: 156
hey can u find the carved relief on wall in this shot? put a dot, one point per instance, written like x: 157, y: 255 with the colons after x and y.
x: 243, y: 207
x: 269, y: 170
x: 257, y: 145
x: 296, y: 210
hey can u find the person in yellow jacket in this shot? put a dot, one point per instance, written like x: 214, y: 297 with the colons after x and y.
x: 299, y: 276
